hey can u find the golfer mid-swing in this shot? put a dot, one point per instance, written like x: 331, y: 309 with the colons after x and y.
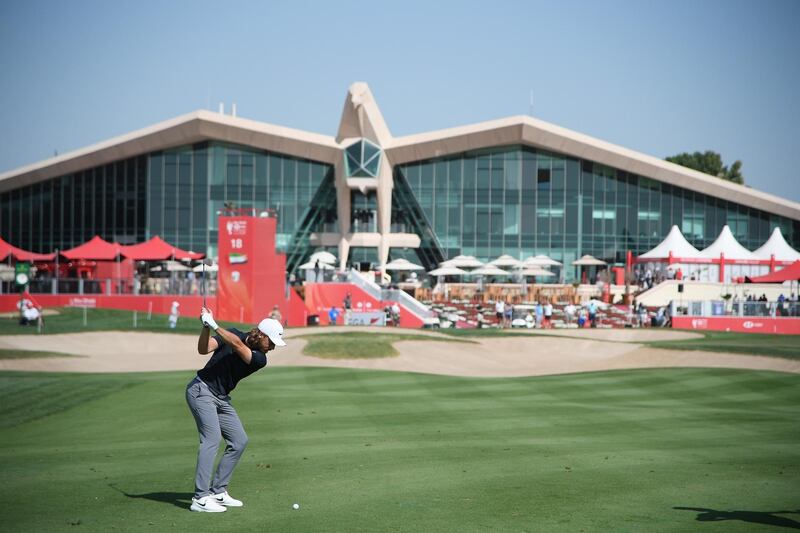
x: 236, y: 356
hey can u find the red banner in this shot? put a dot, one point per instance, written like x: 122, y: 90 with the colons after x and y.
x: 748, y: 324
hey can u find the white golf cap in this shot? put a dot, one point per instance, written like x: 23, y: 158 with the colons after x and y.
x: 272, y: 329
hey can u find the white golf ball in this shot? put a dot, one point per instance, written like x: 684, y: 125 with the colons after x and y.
x: 296, y: 506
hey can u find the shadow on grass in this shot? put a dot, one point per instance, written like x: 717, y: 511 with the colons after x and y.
x: 179, y: 499
x: 752, y: 517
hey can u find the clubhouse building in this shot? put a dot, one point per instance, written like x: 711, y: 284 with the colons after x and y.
x: 516, y: 186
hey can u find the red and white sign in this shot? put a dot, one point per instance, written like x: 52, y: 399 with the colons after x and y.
x: 789, y: 326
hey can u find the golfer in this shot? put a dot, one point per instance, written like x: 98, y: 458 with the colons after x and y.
x: 236, y: 356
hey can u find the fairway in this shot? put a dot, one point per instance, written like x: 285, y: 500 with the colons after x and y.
x: 364, y: 450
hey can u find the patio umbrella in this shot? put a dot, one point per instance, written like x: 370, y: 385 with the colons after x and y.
x: 211, y: 268
x: 533, y: 271
x: 588, y: 260
x: 506, y: 261
x: 403, y: 264
x: 489, y: 270
x: 448, y: 271
x: 171, y: 266
x: 540, y: 261
x: 462, y: 261
x: 324, y: 257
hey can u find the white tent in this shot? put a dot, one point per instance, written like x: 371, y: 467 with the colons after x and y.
x: 727, y: 244
x: 776, y: 245
x: 676, y: 243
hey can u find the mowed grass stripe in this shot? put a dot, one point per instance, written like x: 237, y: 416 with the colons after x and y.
x: 559, y: 453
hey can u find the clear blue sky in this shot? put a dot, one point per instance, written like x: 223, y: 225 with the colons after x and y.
x: 656, y: 77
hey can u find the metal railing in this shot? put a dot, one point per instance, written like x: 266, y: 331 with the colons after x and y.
x: 115, y: 286
x: 410, y: 303
x: 370, y: 287
x: 785, y: 309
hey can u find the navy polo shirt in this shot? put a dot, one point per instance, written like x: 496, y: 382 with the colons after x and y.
x: 225, y: 368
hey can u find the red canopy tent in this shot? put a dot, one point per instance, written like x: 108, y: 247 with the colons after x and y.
x: 7, y: 249
x: 157, y: 249
x: 789, y: 273
x: 96, y: 249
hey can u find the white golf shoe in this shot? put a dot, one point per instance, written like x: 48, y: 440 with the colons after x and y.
x: 207, y: 504
x: 223, y: 498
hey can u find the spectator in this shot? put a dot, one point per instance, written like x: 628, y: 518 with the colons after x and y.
x: 276, y: 314
x: 529, y: 320
x: 642, y: 312
x: 348, y: 305
x: 173, y: 315
x: 539, y: 315
x: 581, y: 318
x: 395, y: 314
x: 333, y: 315
x: 499, y: 311
x: 548, y: 315
x: 593, y: 314
x: 569, y: 313
x: 508, y: 315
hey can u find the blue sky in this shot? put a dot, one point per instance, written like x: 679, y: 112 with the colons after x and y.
x: 656, y: 77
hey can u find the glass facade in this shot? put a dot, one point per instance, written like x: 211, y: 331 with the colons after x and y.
x: 175, y: 193
x: 522, y: 201
x: 514, y: 200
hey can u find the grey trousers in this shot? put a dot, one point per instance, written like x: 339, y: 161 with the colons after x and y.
x: 216, y: 418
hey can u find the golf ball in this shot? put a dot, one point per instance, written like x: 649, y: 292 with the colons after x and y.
x: 296, y: 506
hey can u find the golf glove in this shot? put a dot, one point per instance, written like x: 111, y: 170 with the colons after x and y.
x: 208, y: 320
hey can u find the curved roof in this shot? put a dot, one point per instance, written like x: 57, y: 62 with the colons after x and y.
x: 201, y: 126
x: 676, y: 243
x: 776, y: 245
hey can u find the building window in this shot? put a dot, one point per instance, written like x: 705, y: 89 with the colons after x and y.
x: 362, y: 160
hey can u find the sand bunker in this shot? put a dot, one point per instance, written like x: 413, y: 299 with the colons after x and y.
x: 518, y: 355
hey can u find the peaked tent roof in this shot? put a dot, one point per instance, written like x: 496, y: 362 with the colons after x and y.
x: 97, y: 249
x: 157, y: 249
x: 727, y: 244
x: 776, y: 245
x: 7, y: 249
x: 676, y: 243
x: 790, y: 273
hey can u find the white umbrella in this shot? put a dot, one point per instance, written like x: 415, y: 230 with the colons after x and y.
x: 540, y: 260
x: 324, y: 257
x: 533, y: 271
x: 211, y: 268
x: 310, y: 266
x: 506, y: 261
x: 403, y: 264
x: 448, y: 271
x: 171, y: 266
x: 588, y: 260
x: 462, y: 261
x: 489, y: 270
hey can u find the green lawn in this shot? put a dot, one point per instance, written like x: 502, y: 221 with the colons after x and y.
x: 787, y: 346
x: 645, y: 450
x: 361, y: 344
x: 70, y: 320
x: 23, y: 354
